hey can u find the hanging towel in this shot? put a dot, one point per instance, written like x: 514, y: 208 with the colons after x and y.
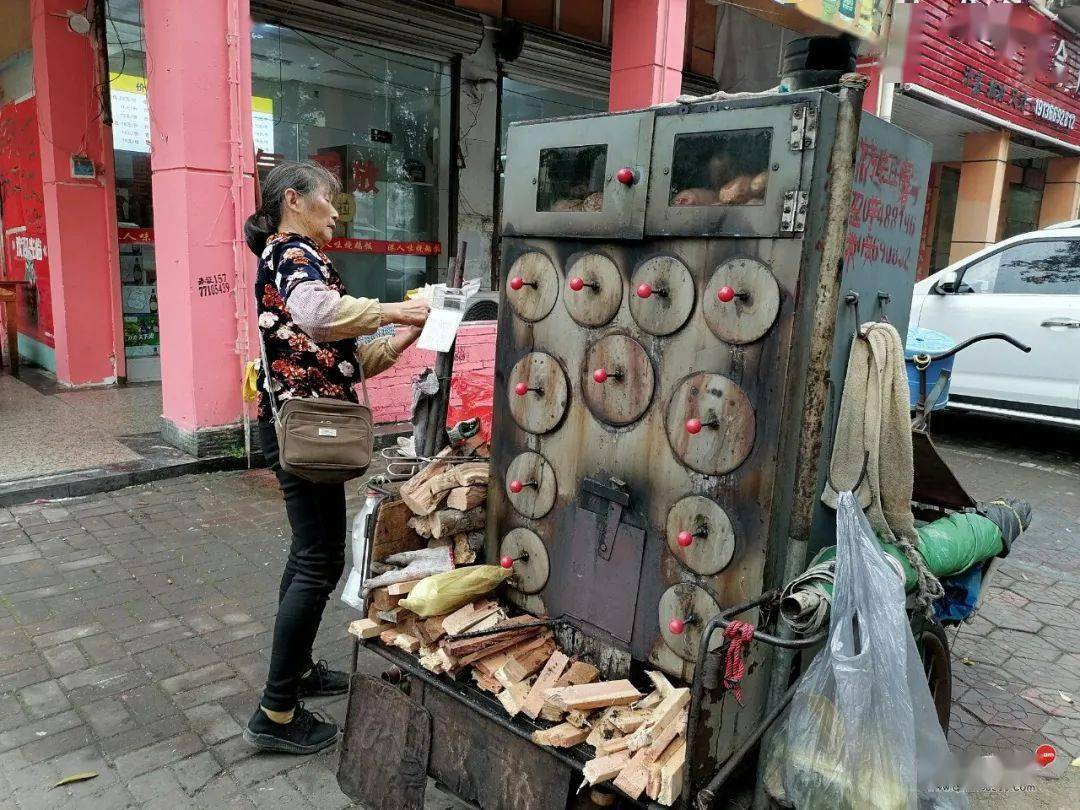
x: 875, y: 424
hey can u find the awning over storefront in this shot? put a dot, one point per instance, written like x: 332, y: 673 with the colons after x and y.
x: 422, y: 28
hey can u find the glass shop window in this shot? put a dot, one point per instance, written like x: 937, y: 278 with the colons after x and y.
x: 721, y: 168
x: 571, y: 178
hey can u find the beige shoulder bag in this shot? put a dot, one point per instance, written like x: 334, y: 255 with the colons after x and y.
x: 327, y: 441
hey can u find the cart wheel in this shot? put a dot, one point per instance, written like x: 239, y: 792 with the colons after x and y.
x: 933, y: 647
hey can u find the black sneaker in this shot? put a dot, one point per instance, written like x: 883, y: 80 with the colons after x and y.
x: 322, y: 681
x: 307, y: 733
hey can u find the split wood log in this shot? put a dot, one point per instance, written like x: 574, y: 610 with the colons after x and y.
x: 448, y: 522
x: 421, y: 524
x: 392, y: 616
x: 366, y: 628
x: 404, y: 641
x: 631, y: 721
x: 387, y: 637
x: 472, y: 473
x: 606, y: 768
x: 511, y: 631
x: 487, y: 684
x: 563, y: 735
x: 594, y: 695
x: 523, y: 664
x: 497, y: 646
x: 669, y: 772
x: 551, y: 713
x: 465, y: 498
x: 579, y: 719
x: 634, y: 778
x: 579, y: 672
x: 431, y: 630
x: 392, y: 533
x: 382, y: 600
x: 463, y: 552
x: 402, y: 588
x: 466, y: 616
x: 543, y: 644
x: 415, y: 492
x: 613, y: 745
x: 545, y: 681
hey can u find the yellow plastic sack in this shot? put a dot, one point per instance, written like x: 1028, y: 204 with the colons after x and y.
x: 251, y: 381
x: 444, y: 593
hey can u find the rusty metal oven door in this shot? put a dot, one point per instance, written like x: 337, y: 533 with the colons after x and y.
x: 578, y: 177
x: 734, y: 172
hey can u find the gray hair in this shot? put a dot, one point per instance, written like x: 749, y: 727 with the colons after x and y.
x: 305, y: 178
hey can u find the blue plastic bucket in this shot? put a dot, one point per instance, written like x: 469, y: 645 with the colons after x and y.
x: 927, y: 341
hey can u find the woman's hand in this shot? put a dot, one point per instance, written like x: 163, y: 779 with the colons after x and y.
x: 413, y: 312
x: 405, y: 338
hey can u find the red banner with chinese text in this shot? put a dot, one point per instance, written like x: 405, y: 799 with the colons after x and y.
x: 26, y: 251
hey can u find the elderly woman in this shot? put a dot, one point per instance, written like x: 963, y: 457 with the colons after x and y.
x: 308, y: 325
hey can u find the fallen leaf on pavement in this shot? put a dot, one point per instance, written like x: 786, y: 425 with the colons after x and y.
x: 1066, y: 698
x: 76, y: 777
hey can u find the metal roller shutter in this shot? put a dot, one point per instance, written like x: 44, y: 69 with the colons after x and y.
x: 562, y: 63
x: 413, y: 26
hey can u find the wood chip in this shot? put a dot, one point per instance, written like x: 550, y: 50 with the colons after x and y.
x: 382, y: 600
x: 564, y: 735
x: 404, y: 641
x: 594, y: 695
x: 666, y: 774
x: 578, y: 719
x: 545, y: 681
x: 391, y: 616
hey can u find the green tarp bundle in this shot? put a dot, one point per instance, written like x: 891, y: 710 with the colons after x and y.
x: 950, y: 546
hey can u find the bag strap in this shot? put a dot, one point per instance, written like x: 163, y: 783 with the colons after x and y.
x: 360, y: 368
x: 266, y: 375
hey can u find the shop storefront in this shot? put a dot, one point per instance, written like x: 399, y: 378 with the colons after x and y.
x: 1000, y: 106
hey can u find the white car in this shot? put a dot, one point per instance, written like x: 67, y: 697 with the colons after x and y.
x: 1027, y: 286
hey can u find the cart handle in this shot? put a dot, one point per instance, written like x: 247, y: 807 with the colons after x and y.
x: 925, y: 359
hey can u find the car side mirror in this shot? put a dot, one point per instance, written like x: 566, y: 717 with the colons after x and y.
x: 948, y: 283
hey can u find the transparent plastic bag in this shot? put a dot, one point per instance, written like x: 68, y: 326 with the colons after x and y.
x: 861, y: 731
x: 351, y: 594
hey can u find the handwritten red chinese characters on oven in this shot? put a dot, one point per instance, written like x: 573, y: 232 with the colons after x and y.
x: 874, y: 216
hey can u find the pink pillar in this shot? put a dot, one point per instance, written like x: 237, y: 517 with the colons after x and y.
x: 80, y: 214
x: 199, y: 87
x: 647, y: 44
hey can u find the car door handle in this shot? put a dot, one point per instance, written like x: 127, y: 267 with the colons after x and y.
x: 1071, y: 323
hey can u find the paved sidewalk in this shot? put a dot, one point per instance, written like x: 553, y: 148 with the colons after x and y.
x: 135, y: 628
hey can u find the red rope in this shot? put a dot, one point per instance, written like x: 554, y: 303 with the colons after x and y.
x: 739, y: 635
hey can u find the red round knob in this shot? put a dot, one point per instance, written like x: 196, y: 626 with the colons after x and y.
x: 600, y: 375
x: 693, y: 426
x: 516, y: 283
x: 516, y: 487
x: 726, y: 294
x: 685, y: 539
x: 507, y: 562
x: 676, y: 626
x: 577, y: 284
x: 521, y: 389
x: 625, y: 175
x: 644, y: 290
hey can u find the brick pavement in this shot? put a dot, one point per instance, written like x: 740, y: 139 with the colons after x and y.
x: 135, y: 627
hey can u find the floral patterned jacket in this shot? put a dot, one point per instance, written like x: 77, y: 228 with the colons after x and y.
x: 300, y: 366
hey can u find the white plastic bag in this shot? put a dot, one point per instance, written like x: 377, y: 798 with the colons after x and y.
x: 861, y: 731
x: 351, y: 594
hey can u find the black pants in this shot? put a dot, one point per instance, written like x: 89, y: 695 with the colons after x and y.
x: 316, y: 559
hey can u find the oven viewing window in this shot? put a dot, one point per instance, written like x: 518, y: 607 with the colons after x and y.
x: 571, y: 178
x: 720, y: 168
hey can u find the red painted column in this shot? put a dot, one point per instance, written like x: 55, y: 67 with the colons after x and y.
x: 199, y: 89
x: 648, y: 38
x: 80, y: 214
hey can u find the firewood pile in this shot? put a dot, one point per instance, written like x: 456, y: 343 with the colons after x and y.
x: 437, y: 524
x: 638, y: 737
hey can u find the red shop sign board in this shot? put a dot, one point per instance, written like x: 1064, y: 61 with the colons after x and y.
x: 145, y: 236
x: 26, y: 250
x: 1005, y: 59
